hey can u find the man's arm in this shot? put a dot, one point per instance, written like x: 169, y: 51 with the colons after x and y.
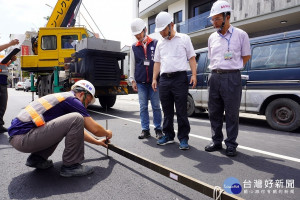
x: 90, y: 139
x: 193, y: 65
x: 132, y: 70
x: 245, y: 59
x: 95, y: 128
x: 12, y: 60
x: 156, y: 70
x: 11, y: 43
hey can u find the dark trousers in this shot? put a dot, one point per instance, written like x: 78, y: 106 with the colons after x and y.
x: 3, y: 102
x: 174, y: 90
x: 225, y: 92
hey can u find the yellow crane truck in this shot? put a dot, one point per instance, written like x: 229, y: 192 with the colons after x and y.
x: 58, y: 65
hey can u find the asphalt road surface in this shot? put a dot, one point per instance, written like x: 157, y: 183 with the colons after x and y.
x: 267, y: 165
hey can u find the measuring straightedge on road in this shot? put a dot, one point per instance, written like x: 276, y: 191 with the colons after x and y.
x: 188, y: 181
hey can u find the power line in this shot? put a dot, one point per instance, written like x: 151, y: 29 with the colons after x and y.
x: 93, y: 21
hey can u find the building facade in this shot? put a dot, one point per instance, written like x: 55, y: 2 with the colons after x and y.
x: 256, y: 17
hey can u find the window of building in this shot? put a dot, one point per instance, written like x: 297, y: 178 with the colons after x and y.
x: 178, y: 17
x: 49, y: 42
x: 202, y: 9
x: 69, y: 41
x: 151, y: 24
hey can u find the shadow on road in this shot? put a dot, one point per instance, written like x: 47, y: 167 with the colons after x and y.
x: 270, y: 166
x: 209, y: 163
x: 46, y: 183
x: 111, y: 159
x: 3, y: 139
x: 212, y: 163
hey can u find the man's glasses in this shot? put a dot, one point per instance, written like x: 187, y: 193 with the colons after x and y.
x: 216, y: 19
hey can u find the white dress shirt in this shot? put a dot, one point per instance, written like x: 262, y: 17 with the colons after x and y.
x: 173, y: 55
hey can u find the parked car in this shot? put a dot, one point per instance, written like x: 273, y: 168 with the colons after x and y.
x: 270, y: 80
x: 19, y: 85
x: 27, y: 84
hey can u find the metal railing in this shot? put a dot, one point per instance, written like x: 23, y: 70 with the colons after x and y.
x: 194, y: 24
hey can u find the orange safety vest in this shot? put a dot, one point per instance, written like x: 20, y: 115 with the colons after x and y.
x: 34, y: 111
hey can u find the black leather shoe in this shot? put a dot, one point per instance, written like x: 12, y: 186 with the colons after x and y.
x: 213, y: 147
x: 3, y: 129
x: 144, y: 134
x: 231, y: 151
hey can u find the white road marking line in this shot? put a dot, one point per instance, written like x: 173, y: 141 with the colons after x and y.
x: 255, y: 150
x: 209, y: 139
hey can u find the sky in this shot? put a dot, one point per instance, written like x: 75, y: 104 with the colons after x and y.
x: 113, y: 17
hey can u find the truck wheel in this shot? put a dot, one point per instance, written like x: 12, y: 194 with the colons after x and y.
x: 190, y: 106
x: 283, y: 114
x: 107, y: 101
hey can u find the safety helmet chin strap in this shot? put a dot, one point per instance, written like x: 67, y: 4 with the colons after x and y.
x: 169, y: 33
x: 84, y: 98
x: 223, y: 23
x: 85, y: 93
x: 144, y: 30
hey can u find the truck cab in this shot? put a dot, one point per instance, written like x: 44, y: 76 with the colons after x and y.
x: 52, y: 48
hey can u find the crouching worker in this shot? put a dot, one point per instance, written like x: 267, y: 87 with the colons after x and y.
x: 45, y: 122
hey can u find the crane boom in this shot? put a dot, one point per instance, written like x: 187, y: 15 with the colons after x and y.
x: 63, y: 13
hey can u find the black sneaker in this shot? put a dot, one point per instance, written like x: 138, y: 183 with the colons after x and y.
x: 3, y: 129
x: 38, y: 162
x: 76, y: 170
x: 158, y: 133
x: 144, y: 134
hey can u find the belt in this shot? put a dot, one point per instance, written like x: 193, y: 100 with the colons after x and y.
x: 224, y: 71
x: 172, y: 74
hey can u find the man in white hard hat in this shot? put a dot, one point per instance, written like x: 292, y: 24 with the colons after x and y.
x: 228, y: 51
x: 172, y: 55
x: 141, y: 73
x: 45, y: 122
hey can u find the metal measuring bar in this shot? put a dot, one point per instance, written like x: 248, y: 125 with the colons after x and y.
x: 188, y: 181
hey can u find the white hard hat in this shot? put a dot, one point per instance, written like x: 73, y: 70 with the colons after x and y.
x: 137, y: 26
x: 162, y: 20
x: 219, y: 7
x: 88, y: 86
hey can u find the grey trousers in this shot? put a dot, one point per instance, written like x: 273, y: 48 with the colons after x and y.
x: 3, y: 102
x: 43, y: 140
x: 225, y: 91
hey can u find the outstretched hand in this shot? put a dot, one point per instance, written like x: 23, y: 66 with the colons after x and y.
x: 103, y: 142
